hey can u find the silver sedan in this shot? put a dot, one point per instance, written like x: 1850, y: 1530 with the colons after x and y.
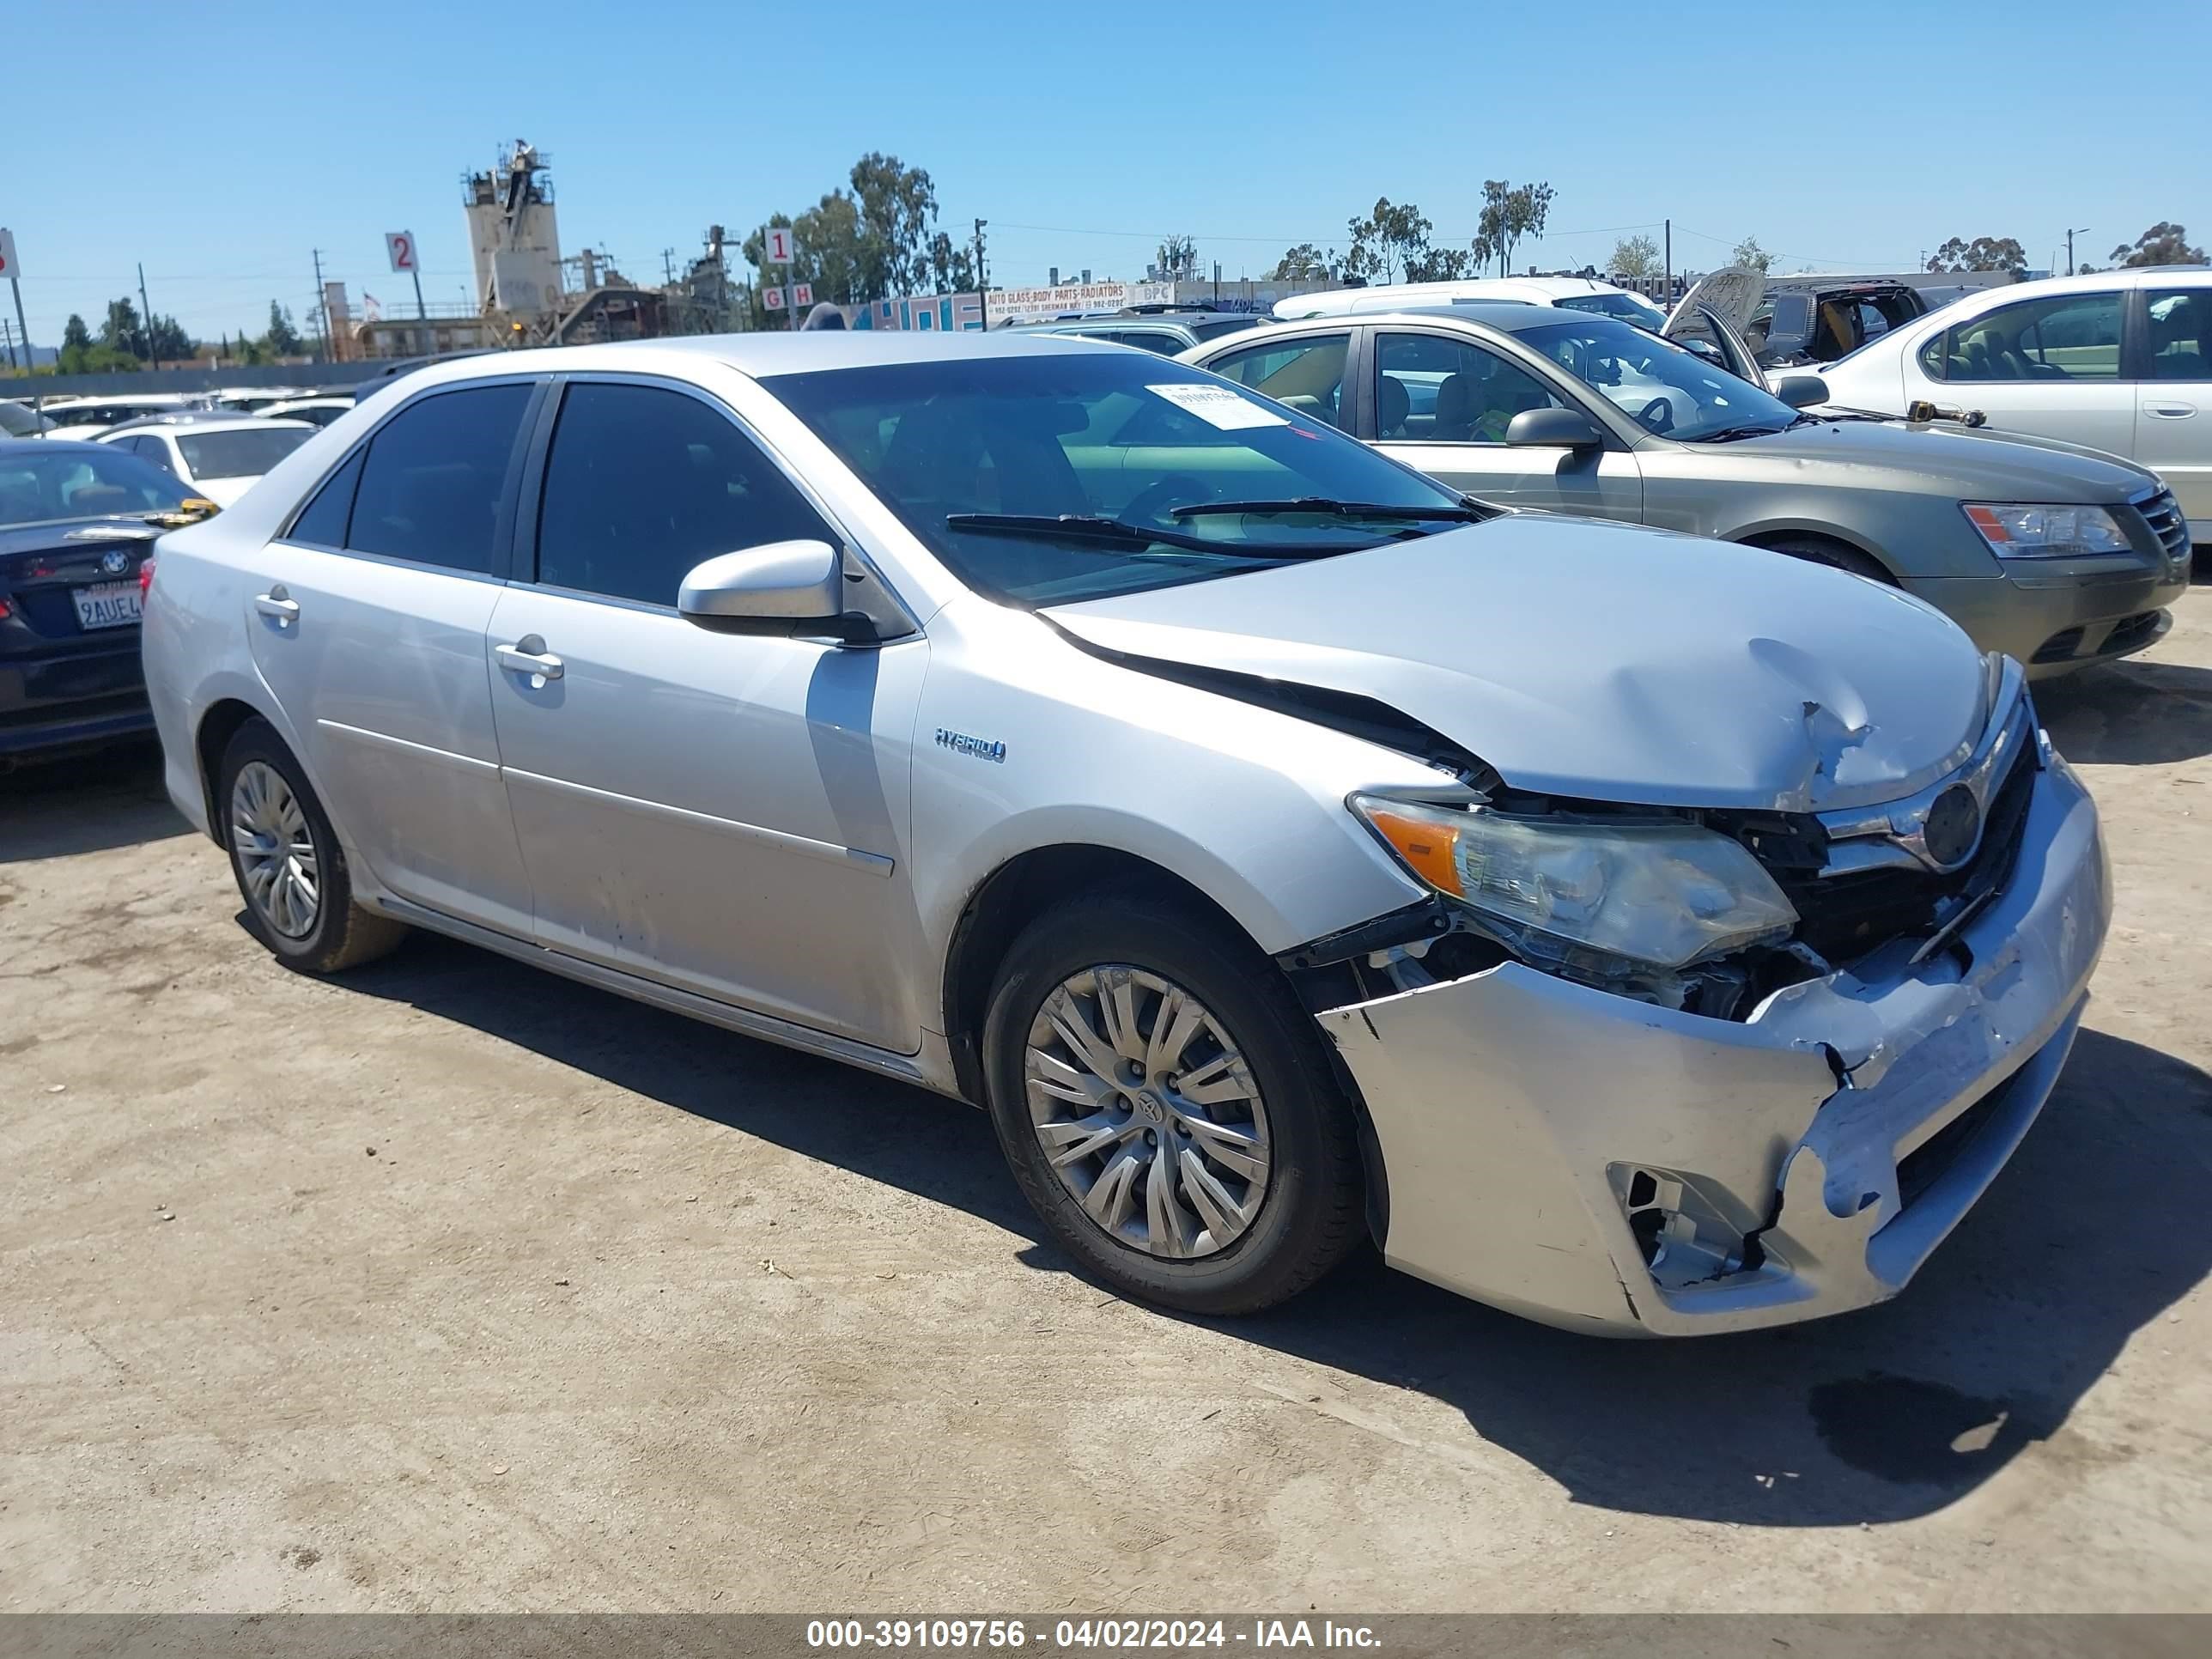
x: 1647, y: 935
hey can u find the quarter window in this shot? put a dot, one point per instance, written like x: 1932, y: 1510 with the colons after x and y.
x: 2180, y: 333
x: 2072, y: 336
x: 1307, y: 375
x: 431, y: 487
x: 1429, y: 389
x: 642, y: 483
x: 324, y: 522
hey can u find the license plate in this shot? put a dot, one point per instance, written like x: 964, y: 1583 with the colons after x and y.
x: 108, y: 604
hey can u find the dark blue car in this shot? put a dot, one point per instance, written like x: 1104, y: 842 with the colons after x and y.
x: 77, y: 523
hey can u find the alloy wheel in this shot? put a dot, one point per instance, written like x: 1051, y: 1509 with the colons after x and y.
x: 276, y: 857
x: 1147, y: 1112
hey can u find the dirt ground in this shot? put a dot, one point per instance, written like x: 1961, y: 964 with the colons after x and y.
x: 454, y: 1285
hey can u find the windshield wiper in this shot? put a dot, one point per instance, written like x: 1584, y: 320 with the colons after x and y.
x: 1080, y: 527
x: 1729, y: 434
x: 1463, y: 513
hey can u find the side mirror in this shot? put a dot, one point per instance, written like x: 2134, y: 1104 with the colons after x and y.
x: 781, y: 588
x: 1802, y: 391
x: 1554, y: 428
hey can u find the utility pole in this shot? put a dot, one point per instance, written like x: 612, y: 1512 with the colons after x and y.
x: 668, y: 266
x: 1670, y: 264
x: 8, y: 339
x: 982, y: 283
x: 2078, y: 230
x: 322, y: 306
x: 146, y: 315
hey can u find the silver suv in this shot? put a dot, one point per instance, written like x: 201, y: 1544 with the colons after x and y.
x: 1643, y: 934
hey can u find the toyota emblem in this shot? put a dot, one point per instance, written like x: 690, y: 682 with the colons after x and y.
x: 115, y: 562
x: 1953, y: 825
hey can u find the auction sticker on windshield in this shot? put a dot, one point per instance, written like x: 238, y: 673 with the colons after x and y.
x: 1219, y: 405
x: 107, y: 605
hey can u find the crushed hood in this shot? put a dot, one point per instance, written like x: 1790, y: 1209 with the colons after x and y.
x: 1599, y: 660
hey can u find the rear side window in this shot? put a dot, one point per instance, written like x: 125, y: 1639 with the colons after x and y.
x: 641, y: 485
x: 431, y: 486
x: 2180, y: 333
x: 324, y: 522
x: 1308, y: 375
x: 2071, y: 336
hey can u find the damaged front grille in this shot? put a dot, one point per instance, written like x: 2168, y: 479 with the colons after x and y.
x: 1844, y: 915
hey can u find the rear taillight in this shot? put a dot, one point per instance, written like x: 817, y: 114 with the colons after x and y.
x: 146, y: 576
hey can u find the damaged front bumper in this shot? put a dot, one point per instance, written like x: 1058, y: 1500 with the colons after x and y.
x: 1608, y: 1165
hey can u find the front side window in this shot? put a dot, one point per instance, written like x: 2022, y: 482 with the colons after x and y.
x: 1308, y: 375
x: 1060, y: 476
x: 431, y: 486
x: 643, y: 484
x: 2180, y: 333
x: 1430, y: 389
x: 247, y: 452
x: 2071, y: 336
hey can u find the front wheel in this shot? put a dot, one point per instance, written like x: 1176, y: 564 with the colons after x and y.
x: 1169, y: 1109
x: 291, y: 871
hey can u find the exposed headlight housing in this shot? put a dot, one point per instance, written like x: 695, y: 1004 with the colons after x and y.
x: 2023, y: 530
x: 1611, y: 900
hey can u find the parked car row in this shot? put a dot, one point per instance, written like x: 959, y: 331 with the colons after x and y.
x: 1645, y: 933
x: 2053, y: 555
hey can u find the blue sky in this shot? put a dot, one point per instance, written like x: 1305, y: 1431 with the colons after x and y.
x: 270, y: 131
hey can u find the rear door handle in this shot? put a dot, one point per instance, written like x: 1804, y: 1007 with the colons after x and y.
x: 2170, y: 411
x: 279, y: 604
x: 528, y: 657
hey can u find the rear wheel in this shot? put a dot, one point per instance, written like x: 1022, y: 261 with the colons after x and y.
x: 1816, y: 550
x: 1168, y: 1108
x: 290, y: 870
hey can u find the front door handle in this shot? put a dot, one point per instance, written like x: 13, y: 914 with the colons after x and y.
x: 2170, y: 411
x: 277, y: 605
x: 528, y: 657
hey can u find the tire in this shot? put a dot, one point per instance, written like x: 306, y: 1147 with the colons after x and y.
x: 1310, y: 1207
x: 331, y: 934
x: 1815, y: 550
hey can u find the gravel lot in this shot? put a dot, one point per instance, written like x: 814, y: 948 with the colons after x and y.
x: 454, y: 1285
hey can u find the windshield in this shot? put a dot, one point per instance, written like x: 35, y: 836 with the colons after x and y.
x: 1629, y: 307
x: 38, y: 485
x: 1663, y: 388
x: 243, y: 452
x: 1115, y: 440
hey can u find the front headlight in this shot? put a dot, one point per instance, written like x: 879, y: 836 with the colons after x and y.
x: 1600, y: 897
x: 2021, y: 530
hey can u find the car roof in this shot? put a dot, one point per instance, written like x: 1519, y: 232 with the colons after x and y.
x: 762, y: 355
x: 1509, y: 316
x: 131, y: 399
x: 200, y: 418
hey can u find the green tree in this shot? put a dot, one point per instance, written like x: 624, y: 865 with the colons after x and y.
x: 77, y: 347
x: 898, y: 217
x: 1510, y: 214
x: 1751, y: 256
x: 1392, y: 243
x: 2163, y: 244
x: 951, y: 267
x: 1304, y: 264
x: 283, y: 339
x: 1983, y: 253
x: 121, y: 330
x: 1638, y: 256
x: 168, y: 342
x: 1178, y: 259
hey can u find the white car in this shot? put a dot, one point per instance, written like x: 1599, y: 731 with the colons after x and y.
x: 87, y: 418
x: 218, y: 457
x: 1576, y: 293
x: 2118, y: 360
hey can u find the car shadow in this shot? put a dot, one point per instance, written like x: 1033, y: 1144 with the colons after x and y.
x: 2142, y: 712
x: 88, y: 803
x: 2091, y: 1234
